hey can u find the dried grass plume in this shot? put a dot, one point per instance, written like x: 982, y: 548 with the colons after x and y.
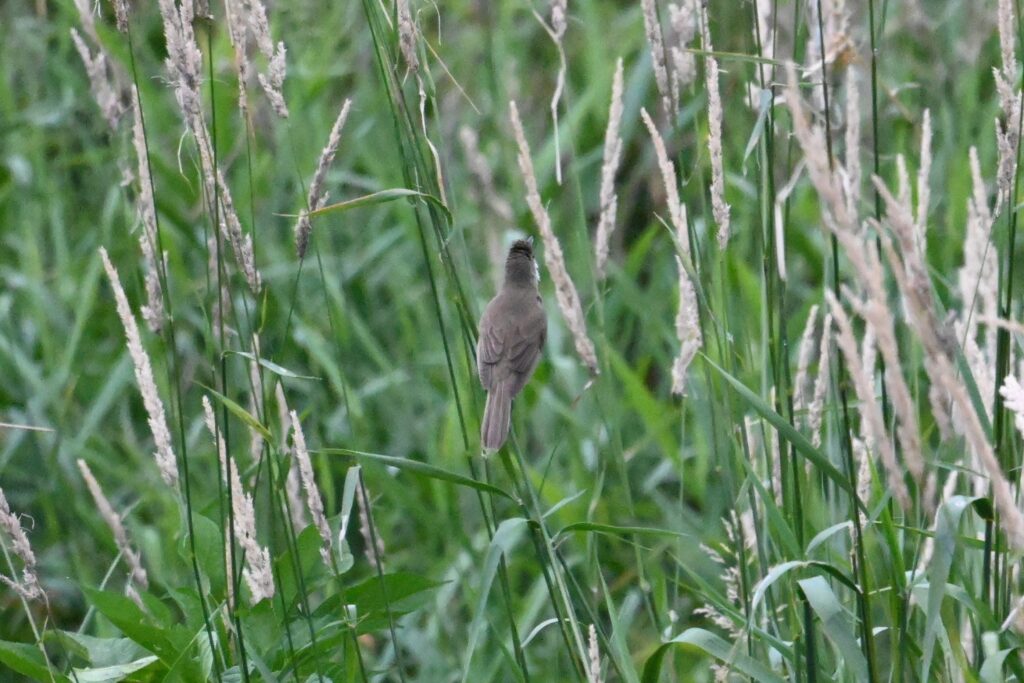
x: 565, y: 291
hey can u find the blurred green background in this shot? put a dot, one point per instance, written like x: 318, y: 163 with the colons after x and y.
x: 356, y: 322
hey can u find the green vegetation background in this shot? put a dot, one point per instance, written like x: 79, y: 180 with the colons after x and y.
x: 358, y: 315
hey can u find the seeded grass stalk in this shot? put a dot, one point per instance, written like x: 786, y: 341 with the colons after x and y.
x: 604, y: 390
x: 419, y: 176
x: 257, y: 24
x: 170, y: 343
x: 1008, y: 135
x: 785, y: 479
x: 219, y: 202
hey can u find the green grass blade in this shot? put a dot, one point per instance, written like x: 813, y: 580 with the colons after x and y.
x: 420, y: 468
x: 380, y: 198
x: 790, y: 434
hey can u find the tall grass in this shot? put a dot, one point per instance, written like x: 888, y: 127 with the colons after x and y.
x: 776, y: 433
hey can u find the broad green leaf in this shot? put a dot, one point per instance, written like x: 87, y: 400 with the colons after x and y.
x: 780, y: 570
x: 99, y: 652
x: 834, y: 620
x: 992, y: 669
x: 947, y: 522
x: 717, y: 648
x: 194, y: 661
x: 27, y: 660
x: 376, y: 595
x: 773, y: 575
x: 422, y: 468
x: 115, y: 672
x: 305, y: 555
x: 505, y: 537
x: 209, y: 548
x: 133, y: 622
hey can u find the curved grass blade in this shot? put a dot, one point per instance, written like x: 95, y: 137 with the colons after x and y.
x: 780, y: 570
x: 947, y: 521
x: 790, y: 434
x: 826, y: 534
x: 618, y: 530
x: 505, y: 537
x: 734, y: 56
x: 717, y: 648
x: 835, y: 621
x: 380, y: 198
x: 992, y: 669
x: 420, y: 468
x: 241, y: 413
x: 278, y: 370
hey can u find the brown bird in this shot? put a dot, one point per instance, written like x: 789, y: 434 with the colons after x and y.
x: 512, y: 332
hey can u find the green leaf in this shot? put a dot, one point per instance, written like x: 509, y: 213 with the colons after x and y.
x: 28, y: 660
x: 97, y: 652
x: 836, y: 624
x: 304, y: 557
x: 780, y: 570
x: 381, y: 197
x: 717, y: 648
x: 115, y: 672
x: 390, y: 591
x: 947, y: 521
x: 790, y: 434
x: 209, y: 548
x: 422, y: 468
x: 505, y: 537
x: 133, y: 622
x: 992, y: 669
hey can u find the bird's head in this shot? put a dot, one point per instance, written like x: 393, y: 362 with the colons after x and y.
x: 520, y: 266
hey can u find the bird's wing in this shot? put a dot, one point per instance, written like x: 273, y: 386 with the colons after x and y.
x: 490, y: 349
x: 524, y: 349
x: 509, y: 351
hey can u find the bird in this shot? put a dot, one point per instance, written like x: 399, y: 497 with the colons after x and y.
x: 512, y: 329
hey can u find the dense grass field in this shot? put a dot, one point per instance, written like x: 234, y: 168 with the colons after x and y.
x: 775, y: 433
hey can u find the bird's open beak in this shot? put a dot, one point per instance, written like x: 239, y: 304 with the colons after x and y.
x: 530, y: 240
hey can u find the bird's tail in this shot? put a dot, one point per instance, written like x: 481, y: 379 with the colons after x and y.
x: 494, y: 429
